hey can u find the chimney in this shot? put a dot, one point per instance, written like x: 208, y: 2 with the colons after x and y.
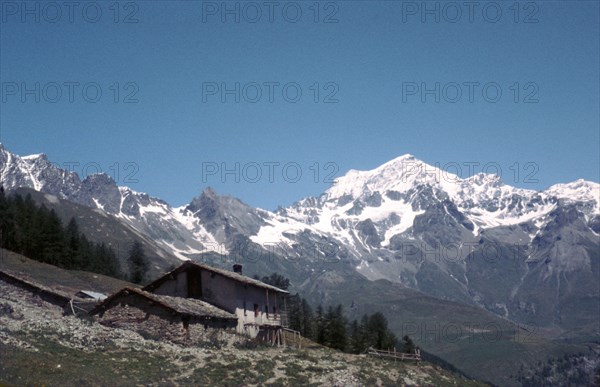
x: 237, y: 268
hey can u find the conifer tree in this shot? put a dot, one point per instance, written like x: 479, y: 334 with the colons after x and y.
x: 408, y: 344
x: 138, y: 265
x: 307, y: 319
x: 52, y: 237
x: 320, y: 326
x: 337, y: 328
x: 38, y: 233
x: 73, y: 245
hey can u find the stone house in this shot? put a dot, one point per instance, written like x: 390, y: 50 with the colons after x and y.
x: 176, y: 319
x: 259, y: 307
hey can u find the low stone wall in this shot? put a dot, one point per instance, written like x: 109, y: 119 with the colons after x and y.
x: 155, y: 322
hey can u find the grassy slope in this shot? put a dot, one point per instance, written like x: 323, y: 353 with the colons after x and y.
x: 55, y: 364
x: 41, y: 346
x: 493, y: 353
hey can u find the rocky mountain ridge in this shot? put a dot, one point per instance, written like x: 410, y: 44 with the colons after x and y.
x: 513, y: 251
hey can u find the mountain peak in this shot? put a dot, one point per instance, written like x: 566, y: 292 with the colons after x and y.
x: 34, y: 157
x: 578, y: 190
x: 399, y: 174
x: 404, y: 157
x: 399, y: 161
x: 99, y: 178
x: 210, y: 191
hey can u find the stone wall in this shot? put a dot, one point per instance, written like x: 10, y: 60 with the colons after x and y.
x: 156, y: 322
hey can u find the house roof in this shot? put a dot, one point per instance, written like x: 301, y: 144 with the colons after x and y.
x: 225, y: 273
x: 185, y: 306
x: 57, y: 289
x: 25, y: 282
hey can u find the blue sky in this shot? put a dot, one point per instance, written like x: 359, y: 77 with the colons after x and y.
x: 181, y: 129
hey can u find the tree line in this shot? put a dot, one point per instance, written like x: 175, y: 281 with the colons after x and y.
x: 38, y: 233
x: 330, y: 327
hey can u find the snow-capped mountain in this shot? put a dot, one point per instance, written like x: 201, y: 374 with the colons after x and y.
x: 176, y: 230
x: 475, y: 240
x: 400, y: 187
x: 367, y: 210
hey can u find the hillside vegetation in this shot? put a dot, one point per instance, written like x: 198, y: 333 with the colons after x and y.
x: 37, y: 232
x: 41, y: 346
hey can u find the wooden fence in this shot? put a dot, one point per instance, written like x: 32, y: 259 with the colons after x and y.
x: 292, y: 338
x: 395, y: 355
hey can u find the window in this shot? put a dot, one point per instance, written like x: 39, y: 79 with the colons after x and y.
x: 267, y: 310
x: 194, y: 283
x: 275, y: 310
x: 256, y: 310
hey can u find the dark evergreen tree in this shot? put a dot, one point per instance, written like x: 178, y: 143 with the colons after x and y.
x: 295, y: 313
x: 336, y: 328
x: 107, y: 263
x: 52, y: 246
x: 408, y: 345
x: 276, y: 280
x: 301, y: 316
x: 8, y: 237
x: 332, y: 329
x: 365, y: 338
x: 27, y: 227
x: 38, y: 233
x: 356, y: 341
x: 73, y: 238
x: 137, y: 263
x: 320, y: 331
x: 85, y: 255
x: 381, y: 337
x: 371, y: 331
x: 307, y: 319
